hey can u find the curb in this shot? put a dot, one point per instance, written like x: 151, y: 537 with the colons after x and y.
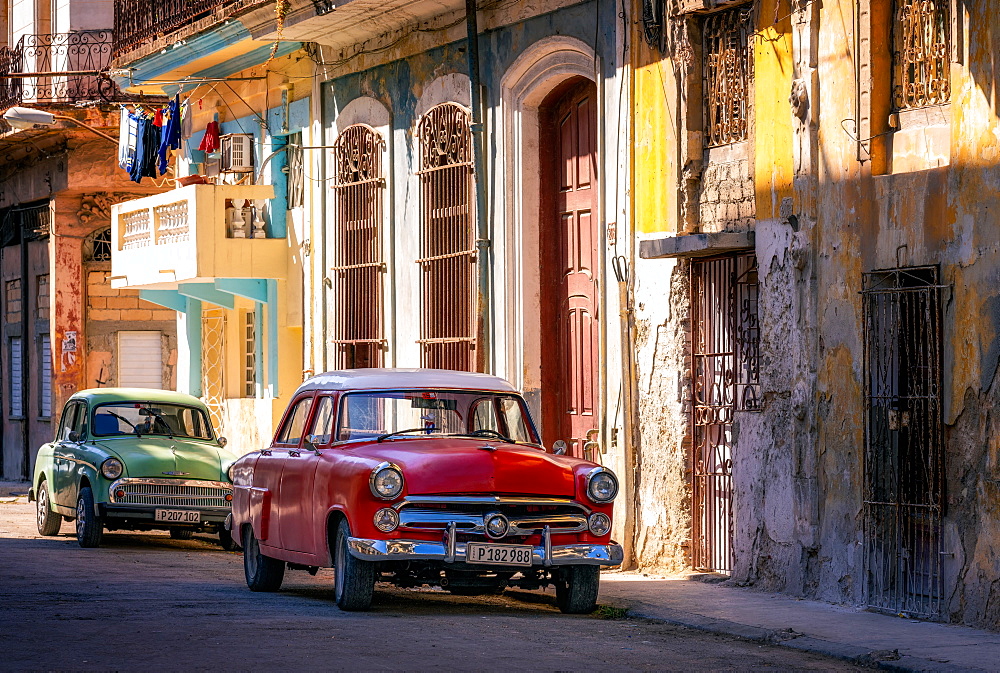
x: 888, y: 660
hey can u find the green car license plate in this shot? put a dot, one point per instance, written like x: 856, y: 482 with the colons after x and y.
x: 498, y: 554
x: 177, y: 516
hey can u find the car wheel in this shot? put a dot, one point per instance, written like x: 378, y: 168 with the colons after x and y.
x: 181, y: 533
x: 89, y: 528
x: 576, y: 593
x: 48, y: 522
x: 263, y: 573
x: 354, y: 579
x: 226, y: 540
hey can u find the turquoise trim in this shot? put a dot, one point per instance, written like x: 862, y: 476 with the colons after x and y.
x: 298, y: 118
x: 206, y: 292
x: 258, y: 344
x: 193, y: 323
x: 249, y: 288
x: 248, y: 60
x: 272, y: 337
x: 171, y: 299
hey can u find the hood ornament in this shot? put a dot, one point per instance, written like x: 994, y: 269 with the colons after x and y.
x: 488, y: 447
x: 174, y: 472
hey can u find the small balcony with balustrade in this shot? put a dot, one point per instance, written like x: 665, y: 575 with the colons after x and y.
x: 195, y: 235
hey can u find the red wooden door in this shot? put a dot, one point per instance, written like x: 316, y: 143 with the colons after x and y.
x: 570, y: 370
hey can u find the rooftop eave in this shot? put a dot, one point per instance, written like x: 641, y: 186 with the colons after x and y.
x: 697, y: 245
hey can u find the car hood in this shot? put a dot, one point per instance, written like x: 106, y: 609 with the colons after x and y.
x: 433, y: 466
x: 163, y: 458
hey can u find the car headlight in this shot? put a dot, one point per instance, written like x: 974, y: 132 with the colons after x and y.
x: 112, y: 468
x: 602, y: 485
x: 386, y: 481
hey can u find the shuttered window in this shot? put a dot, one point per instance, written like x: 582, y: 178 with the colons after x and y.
x: 45, y: 377
x: 140, y: 360
x: 16, y: 396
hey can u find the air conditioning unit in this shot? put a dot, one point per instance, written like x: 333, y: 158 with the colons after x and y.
x: 237, y: 153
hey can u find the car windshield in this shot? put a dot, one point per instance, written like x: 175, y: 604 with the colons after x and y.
x: 150, y: 418
x: 489, y: 415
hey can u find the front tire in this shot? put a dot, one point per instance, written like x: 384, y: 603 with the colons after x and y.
x: 226, y: 540
x: 354, y: 579
x: 48, y: 522
x: 263, y: 573
x: 89, y: 528
x: 576, y: 593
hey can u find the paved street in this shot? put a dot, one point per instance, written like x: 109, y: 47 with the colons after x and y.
x: 146, y: 602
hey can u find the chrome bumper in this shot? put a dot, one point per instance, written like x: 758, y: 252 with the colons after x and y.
x: 449, y: 550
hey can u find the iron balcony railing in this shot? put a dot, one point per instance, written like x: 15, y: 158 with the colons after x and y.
x: 58, y: 68
x: 139, y: 22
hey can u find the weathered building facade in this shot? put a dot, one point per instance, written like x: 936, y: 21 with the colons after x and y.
x: 815, y: 298
x: 64, y: 328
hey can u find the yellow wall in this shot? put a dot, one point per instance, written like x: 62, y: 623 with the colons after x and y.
x: 773, y: 168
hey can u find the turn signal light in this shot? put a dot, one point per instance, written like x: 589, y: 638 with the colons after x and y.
x: 229, y: 497
x: 119, y: 493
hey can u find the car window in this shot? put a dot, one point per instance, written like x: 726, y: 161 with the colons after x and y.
x: 484, y: 416
x: 151, y: 418
x: 514, y: 418
x: 66, y: 424
x: 322, y: 425
x: 295, y: 423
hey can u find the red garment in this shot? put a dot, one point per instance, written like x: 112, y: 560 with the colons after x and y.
x: 210, y: 142
x: 158, y: 118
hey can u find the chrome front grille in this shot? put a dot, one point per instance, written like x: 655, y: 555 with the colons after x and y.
x: 170, y: 492
x: 526, y: 516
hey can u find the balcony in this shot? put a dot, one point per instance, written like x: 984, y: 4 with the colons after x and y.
x: 58, y: 68
x: 195, y: 238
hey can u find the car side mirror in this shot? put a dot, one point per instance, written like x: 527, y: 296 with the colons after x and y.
x: 310, y: 442
x: 75, y: 436
x: 223, y: 441
x: 559, y: 447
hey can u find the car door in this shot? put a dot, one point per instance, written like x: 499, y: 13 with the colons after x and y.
x: 265, y: 500
x: 298, y: 508
x: 63, y: 491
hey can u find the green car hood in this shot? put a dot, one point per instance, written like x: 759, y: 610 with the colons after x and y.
x: 163, y: 458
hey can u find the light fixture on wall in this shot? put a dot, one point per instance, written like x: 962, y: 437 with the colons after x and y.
x: 27, y: 118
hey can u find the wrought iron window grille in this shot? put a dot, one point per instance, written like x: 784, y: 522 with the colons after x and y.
x: 359, y: 267
x: 921, y: 47
x: 903, y: 463
x: 97, y: 246
x: 448, y: 247
x: 728, y: 73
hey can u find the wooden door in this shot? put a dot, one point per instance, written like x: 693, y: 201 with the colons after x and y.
x: 569, y: 272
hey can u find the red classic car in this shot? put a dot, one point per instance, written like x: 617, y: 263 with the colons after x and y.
x: 421, y: 477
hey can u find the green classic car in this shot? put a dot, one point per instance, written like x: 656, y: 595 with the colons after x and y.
x: 134, y: 459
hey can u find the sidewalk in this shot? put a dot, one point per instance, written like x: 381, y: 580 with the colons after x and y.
x: 11, y: 490
x: 858, y: 636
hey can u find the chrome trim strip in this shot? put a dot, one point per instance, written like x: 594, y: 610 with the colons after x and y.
x: 425, y: 550
x: 488, y: 500
x: 173, y: 482
x: 435, y: 519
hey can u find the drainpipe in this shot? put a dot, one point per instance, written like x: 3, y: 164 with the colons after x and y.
x: 25, y: 396
x: 485, y: 343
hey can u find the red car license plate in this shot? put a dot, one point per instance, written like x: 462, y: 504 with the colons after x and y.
x: 498, y: 554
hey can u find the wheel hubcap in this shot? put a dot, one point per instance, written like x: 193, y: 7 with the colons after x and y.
x: 81, y: 517
x: 43, y: 506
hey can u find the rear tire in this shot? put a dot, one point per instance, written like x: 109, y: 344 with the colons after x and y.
x: 576, y: 593
x: 89, y: 529
x: 48, y: 522
x: 181, y: 533
x: 263, y: 573
x: 226, y: 540
x: 354, y: 579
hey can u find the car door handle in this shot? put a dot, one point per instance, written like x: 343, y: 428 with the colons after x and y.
x: 294, y: 454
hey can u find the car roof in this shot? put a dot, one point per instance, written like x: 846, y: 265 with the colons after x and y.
x: 397, y: 379
x: 107, y: 395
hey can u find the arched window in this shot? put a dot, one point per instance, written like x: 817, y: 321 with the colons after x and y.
x: 447, y: 243
x: 357, y: 239
x: 97, y: 246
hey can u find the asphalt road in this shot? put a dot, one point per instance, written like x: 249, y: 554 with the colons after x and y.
x: 147, y: 602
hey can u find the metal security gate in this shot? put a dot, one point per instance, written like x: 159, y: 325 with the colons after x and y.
x: 358, y: 267
x: 447, y: 241
x: 213, y: 370
x: 904, y: 457
x: 725, y: 361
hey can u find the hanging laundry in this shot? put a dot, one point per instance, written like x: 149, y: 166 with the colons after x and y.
x: 187, y: 117
x: 210, y: 142
x: 170, y: 134
x: 147, y: 143
x: 127, y: 132
x: 158, y: 118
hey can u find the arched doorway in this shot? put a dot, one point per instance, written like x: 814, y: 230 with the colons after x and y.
x: 568, y: 261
